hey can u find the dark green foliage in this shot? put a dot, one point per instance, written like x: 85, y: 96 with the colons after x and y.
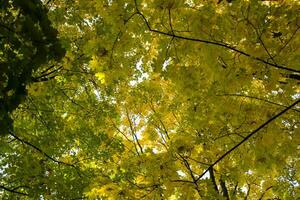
x: 27, y: 41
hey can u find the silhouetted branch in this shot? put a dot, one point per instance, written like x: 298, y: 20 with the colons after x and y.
x: 213, y: 179
x: 259, y: 36
x: 257, y: 98
x: 47, y: 74
x: 14, y: 190
x: 235, y: 189
x: 249, y: 136
x: 134, y: 136
x: 289, y: 40
x: 42, y: 152
x: 224, y: 189
x: 45, y: 79
x: 293, y: 76
x: 197, y: 161
x: 188, y: 167
x: 182, y: 181
x: 263, y: 194
x: 224, y: 45
x: 164, y: 128
x: 47, y: 69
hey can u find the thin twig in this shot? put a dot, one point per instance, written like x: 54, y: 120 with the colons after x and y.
x: 289, y: 40
x: 188, y: 167
x: 257, y: 98
x: 134, y: 136
x: 263, y: 194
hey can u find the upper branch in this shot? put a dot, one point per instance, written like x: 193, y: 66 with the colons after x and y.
x: 256, y: 98
x: 224, y: 45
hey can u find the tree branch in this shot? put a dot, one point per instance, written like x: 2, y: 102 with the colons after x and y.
x: 197, y: 161
x: 249, y: 136
x: 235, y: 189
x: 188, y: 166
x: 257, y: 98
x: 224, y: 45
x: 224, y: 189
x: 263, y: 194
x: 134, y: 136
x: 182, y: 181
x: 13, y: 190
x: 46, y: 74
x: 289, y: 40
x: 164, y: 128
x: 213, y: 179
x: 45, y: 79
x: 42, y: 152
x: 259, y: 36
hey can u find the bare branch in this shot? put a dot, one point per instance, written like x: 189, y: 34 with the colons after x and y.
x: 42, y: 152
x: 170, y: 20
x: 188, y: 167
x: 257, y: 98
x: 213, y: 179
x: 197, y: 161
x: 160, y: 121
x: 44, y: 79
x: 224, y: 45
x: 249, y: 136
x: 182, y: 181
x: 44, y: 76
x: 133, y: 132
x: 289, y: 40
x: 259, y: 36
x: 13, y: 190
x: 235, y: 189
x: 263, y: 194
x: 224, y: 189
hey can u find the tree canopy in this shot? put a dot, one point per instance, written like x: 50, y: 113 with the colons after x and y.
x: 150, y: 99
x: 27, y: 41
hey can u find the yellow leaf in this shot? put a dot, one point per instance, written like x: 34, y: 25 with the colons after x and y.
x: 101, y: 77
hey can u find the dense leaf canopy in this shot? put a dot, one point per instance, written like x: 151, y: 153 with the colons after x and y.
x: 27, y: 41
x: 151, y: 99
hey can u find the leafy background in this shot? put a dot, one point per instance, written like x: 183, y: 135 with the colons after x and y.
x: 150, y: 99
